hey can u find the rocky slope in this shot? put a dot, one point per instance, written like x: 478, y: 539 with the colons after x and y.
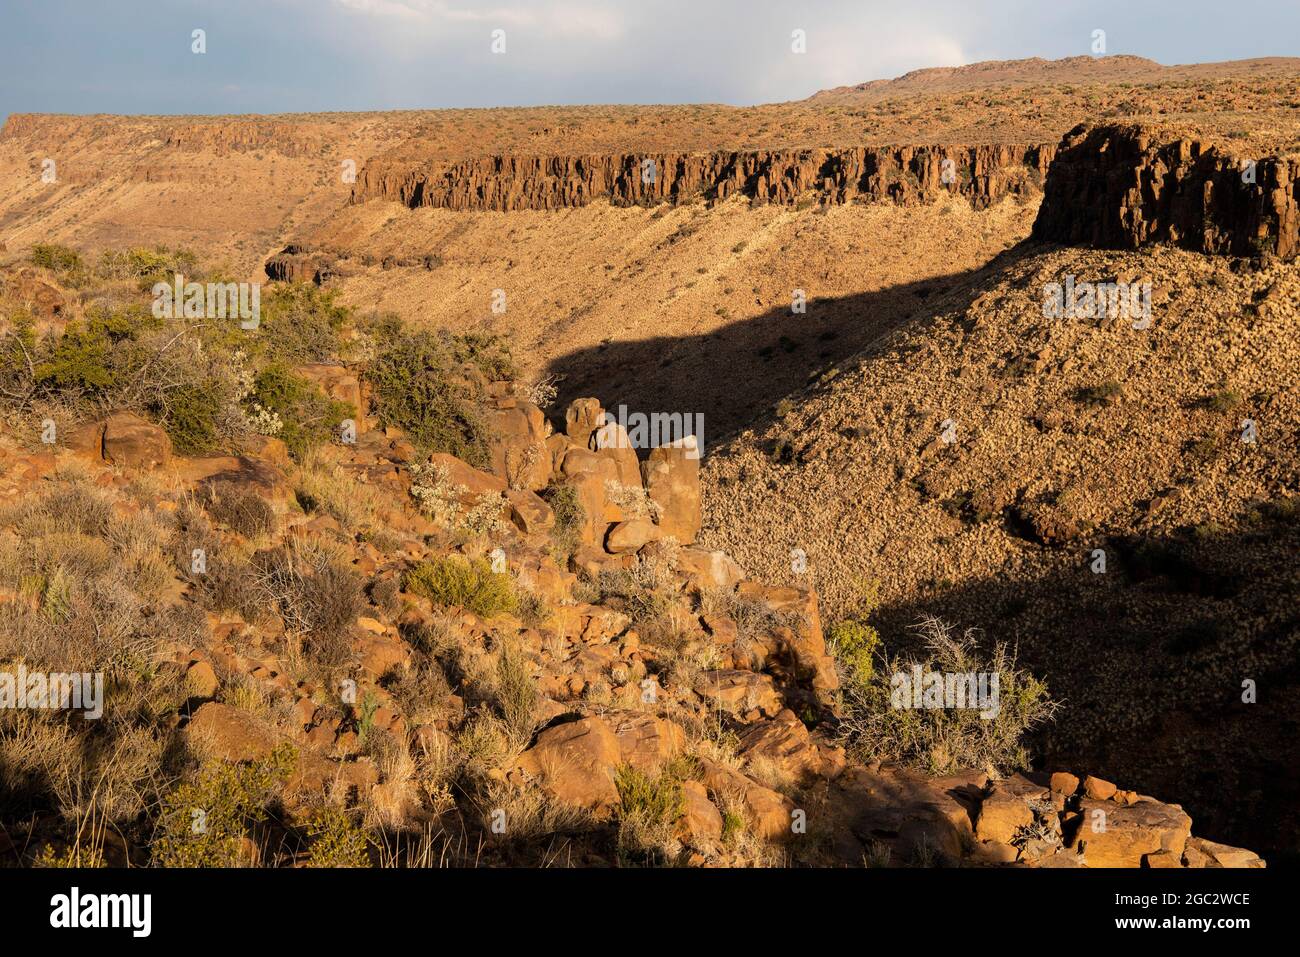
x: 1002, y: 449
x: 729, y: 714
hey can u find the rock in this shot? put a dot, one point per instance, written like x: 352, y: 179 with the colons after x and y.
x: 672, y: 479
x: 645, y: 741
x: 786, y: 744
x: 710, y: 569
x: 1005, y: 809
x: 738, y: 693
x: 518, y: 447
x: 701, y: 822
x: 587, y: 473
x: 529, y: 512
x: 803, y: 641
x: 1112, y: 187
x: 581, y: 418
x: 201, y: 680
x: 611, y: 441
x: 1122, y: 836
x: 628, y: 537
x: 338, y: 383
x: 1097, y: 789
x: 1162, y: 859
x: 769, y: 812
x: 132, y: 442
x: 575, y: 764
x: 222, y: 733
x: 1220, y: 855
x: 904, y: 811
x: 476, y: 482
x: 1064, y: 783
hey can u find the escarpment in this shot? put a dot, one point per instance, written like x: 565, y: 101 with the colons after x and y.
x: 1124, y: 187
x: 899, y: 174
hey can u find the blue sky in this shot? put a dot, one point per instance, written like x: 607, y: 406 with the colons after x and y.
x: 272, y: 56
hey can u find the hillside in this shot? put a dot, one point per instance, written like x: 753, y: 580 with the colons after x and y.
x: 971, y: 463
x: 451, y: 616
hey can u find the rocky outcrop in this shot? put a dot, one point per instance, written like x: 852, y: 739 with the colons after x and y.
x: 1124, y: 187
x: 898, y: 174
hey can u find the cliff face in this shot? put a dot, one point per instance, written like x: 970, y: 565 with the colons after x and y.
x: 1120, y: 188
x: 902, y: 174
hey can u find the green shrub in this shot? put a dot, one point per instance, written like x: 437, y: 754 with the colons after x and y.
x: 191, y: 418
x: 203, y: 823
x: 309, y: 417
x: 336, y: 840
x: 854, y: 644
x: 455, y: 580
x: 59, y: 259
x: 419, y: 389
x: 649, y: 809
x: 149, y: 266
x: 300, y: 323
x: 570, y: 517
x: 943, y: 739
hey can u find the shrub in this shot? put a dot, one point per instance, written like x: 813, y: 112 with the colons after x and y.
x: 418, y: 389
x: 56, y: 258
x: 471, y: 584
x: 149, y: 266
x: 1225, y: 400
x: 203, y: 823
x: 191, y: 419
x: 854, y: 644
x: 570, y: 516
x: 317, y: 595
x: 336, y: 840
x: 516, y: 694
x: 300, y: 323
x: 308, y: 417
x: 942, y: 739
x: 649, y: 808
x: 1105, y: 393
x: 239, y: 508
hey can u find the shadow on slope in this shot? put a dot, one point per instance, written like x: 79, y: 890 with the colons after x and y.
x: 739, y: 372
x: 1150, y: 659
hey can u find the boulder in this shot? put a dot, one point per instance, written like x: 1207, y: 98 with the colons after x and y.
x: 739, y: 693
x: 581, y: 418
x: 645, y: 741
x: 672, y: 479
x: 1005, y: 809
x: 787, y: 745
x: 529, y: 512
x: 1122, y: 836
x: 701, y: 822
x: 611, y: 441
x: 519, y: 450
x: 575, y: 763
x: 132, y: 442
x: 710, y: 569
x: 624, y: 538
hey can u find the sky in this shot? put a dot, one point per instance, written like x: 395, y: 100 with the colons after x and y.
x: 277, y: 56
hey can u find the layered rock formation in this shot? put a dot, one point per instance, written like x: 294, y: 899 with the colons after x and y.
x: 899, y: 174
x: 1124, y: 187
